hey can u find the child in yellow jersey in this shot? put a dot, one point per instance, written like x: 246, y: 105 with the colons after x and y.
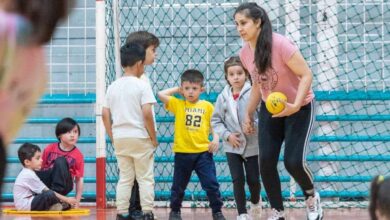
x: 193, y: 150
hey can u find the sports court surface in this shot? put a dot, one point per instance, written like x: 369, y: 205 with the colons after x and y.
x: 205, y: 214
x: 345, y: 42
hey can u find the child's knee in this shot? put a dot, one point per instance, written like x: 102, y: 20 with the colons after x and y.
x: 61, y: 161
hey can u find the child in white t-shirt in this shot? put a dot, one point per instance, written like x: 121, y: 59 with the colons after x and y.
x: 128, y: 119
x: 29, y: 191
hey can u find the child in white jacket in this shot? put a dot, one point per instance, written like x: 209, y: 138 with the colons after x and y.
x: 241, y: 150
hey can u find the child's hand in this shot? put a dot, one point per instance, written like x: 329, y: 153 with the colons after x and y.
x: 71, y: 201
x: 248, y: 126
x: 234, y: 139
x: 77, y: 205
x: 213, y: 146
x: 155, y: 143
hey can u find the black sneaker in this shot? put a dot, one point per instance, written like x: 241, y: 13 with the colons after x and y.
x: 148, y: 216
x: 174, y: 215
x: 218, y: 216
x: 56, y: 207
x: 65, y: 206
x: 121, y: 217
x: 136, y: 215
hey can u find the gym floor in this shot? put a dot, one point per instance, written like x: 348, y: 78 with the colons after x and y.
x: 202, y: 214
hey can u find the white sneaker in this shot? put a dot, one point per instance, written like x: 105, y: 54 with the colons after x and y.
x: 244, y: 217
x: 313, y: 207
x: 255, y: 210
x: 277, y: 215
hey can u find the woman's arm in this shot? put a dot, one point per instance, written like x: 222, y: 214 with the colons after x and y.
x: 253, y: 102
x: 299, y: 67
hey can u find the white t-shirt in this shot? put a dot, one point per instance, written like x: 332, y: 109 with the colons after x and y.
x: 146, y: 79
x: 125, y: 98
x: 26, y: 185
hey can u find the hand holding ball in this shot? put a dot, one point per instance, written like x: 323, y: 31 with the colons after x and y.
x: 275, y: 102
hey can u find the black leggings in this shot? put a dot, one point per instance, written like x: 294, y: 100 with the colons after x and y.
x: 236, y: 165
x: 294, y: 131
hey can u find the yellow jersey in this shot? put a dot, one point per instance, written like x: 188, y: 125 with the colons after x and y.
x: 192, y: 125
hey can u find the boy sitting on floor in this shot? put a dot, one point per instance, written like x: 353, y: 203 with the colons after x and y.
x: 29, y: 191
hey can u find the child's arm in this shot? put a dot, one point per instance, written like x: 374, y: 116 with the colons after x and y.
x: 79, y: 190
x: 213, y: 145
x: 218, y: 124
x: 147, y: 113
x: 165, y: 94
x: 70, y: 200
x: 253, y: 102
x: 106, y: 115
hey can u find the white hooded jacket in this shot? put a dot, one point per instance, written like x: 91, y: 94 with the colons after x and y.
x: 228, y: 117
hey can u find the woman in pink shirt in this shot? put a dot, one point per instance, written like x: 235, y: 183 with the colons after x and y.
x: 276, y: 65
x: 25, y: 26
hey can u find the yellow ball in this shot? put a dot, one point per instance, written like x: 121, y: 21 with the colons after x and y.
x: 275, y: 102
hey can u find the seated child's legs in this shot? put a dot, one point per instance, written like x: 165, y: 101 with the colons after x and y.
x: 43, y: 201
x: 58, y: 178
x: 144, y: 169
x: 183, y: 167
x: 205, y: 169
x: 44, y: 176
x: 61, y: 178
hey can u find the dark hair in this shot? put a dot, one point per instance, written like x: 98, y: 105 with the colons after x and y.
x: 44, y: 16
x: 233, y: 61
x: 263, y: 50
x: 143, y: 38
x: 27, y: 151
x: 192, y: 76
x: 66, y: 125
x: 131, y: 53
x: 380, y: 197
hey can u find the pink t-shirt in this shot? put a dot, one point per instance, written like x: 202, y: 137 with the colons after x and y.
x: 279, y: 78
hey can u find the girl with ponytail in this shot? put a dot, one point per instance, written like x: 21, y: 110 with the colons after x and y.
x: 380, y: 199
x: 276, y: 65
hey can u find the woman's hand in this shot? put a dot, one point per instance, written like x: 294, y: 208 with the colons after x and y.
x: 288, y: 110
x: 248, y: 126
